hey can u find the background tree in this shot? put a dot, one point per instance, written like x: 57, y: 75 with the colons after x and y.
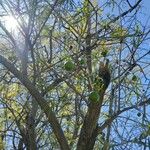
x: 74, y: 75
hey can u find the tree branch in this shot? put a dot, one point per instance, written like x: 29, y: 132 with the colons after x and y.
x: 41, y: 102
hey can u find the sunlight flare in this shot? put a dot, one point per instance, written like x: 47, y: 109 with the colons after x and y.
x: 11, y: 23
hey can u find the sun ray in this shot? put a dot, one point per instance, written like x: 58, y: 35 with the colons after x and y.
x: 11, y: 23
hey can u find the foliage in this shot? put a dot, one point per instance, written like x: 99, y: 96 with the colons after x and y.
x: 52, y: 93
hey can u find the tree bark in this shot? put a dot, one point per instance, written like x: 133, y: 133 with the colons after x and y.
x: 90, y: 124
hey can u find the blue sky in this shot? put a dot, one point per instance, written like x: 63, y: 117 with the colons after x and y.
x: 146, y: 4
x: 145, y: 10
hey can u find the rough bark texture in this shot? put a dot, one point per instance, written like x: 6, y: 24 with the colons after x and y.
x: 89, y: 128
x: 90, y: 123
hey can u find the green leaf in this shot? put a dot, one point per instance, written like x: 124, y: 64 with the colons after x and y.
x: 69, y: 66
x: 94, y: 96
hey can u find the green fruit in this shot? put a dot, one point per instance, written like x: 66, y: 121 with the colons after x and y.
x: 134, y: 78
x: 139, y: 114
x: 94, y: 96
x: 69, y: 66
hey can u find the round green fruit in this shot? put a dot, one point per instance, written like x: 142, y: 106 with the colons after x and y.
x: 94, y: 96
x: 139, y: 114
x: 134, y: 78
x: 69, y: 66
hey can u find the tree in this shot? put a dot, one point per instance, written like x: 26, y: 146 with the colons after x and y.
x: 73, y: 75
